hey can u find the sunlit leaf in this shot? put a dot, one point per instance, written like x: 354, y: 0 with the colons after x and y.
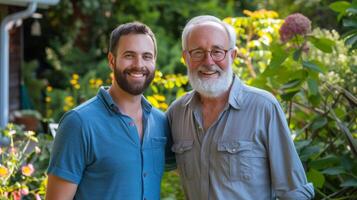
x: 324, y: 44
x: 316, y: 177
x: 278, y: 57
x: 312, y: 66
x: 340, y: 6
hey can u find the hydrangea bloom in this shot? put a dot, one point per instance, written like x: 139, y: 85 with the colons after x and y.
x: 294, y: 24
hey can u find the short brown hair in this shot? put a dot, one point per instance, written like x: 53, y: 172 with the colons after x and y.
x: 126, y: 29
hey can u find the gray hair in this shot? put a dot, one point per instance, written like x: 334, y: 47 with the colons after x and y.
x: 208, y: 18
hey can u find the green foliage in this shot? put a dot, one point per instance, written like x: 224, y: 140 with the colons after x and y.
x: 348, y: 13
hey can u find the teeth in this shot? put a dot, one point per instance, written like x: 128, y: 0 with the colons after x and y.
x: 209, y: 72
x: 136, y: 74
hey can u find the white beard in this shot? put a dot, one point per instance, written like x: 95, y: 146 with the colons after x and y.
x: 211, y: 87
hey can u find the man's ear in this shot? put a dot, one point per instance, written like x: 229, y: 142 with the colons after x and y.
x: 234, y: 53
x: 184, y: 57
x: 111, y: 60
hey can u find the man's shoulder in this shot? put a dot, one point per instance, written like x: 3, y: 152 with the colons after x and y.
x: 259, y: 95
x: 84, y: 110
x: 182, y: 101
x: 157, y: 114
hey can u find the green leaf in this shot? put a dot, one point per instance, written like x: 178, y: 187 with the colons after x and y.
x: 289, y: 95
x: 351, y: 10
x: 325, y: 162
x: 349, y: 23
x: 349, y: 183
x: 301, y: 144
x: 319, y: 123
x: 334, y: 171
x: 309, y: 152
x: 316, y: 177
x: 351, y: 40
x: 324, y: 44
x: 313, y: 86
x: 339, y: 6
x: 297, y: 54
x: 279, y: 55
x: 291, y: 84
x: 312, y: 66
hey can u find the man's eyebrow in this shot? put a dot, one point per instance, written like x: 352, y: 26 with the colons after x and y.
x: 128, y: 51
x: 217, y: 47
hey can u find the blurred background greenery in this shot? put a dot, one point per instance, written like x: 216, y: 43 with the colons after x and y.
x: 313, y: 76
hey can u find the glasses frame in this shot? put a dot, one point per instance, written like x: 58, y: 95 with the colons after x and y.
x: 210, y: 54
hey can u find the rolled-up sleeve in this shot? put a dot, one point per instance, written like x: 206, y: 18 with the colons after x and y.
x: 287, y: 173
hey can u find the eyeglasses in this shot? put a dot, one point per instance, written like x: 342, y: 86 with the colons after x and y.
x: 216, y: 54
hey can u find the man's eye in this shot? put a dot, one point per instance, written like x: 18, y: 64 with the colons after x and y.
x: 217, y: 51
x: 197, y: 53
x: 128, y: 56
x: 148, y: 57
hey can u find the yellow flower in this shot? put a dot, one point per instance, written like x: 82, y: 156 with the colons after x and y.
x: 153, y: 101
x: 27, y: 170
x: 73, y: 81
x: 111, y: 76
x: 3, y: 171
x: 163, y: 106
x: 91, y: 81
x: 159, y: 97
x: 48, y: 99
x: 49, y: 89
x: 75, y: 76
x: 98, y: 82
x: 77, y: 86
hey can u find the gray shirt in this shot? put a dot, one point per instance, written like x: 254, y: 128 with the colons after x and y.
x: 246, y: 154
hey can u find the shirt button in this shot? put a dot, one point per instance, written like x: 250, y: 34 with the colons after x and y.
x: 234, y: 150
x: 131, y: 123
x: 144, y: 174
x: 246, y: 177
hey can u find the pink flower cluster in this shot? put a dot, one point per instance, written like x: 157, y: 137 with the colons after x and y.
x: 294, y: 24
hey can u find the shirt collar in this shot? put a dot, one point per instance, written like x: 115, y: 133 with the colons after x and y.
x: 235, y: 96
x: 103, y: 94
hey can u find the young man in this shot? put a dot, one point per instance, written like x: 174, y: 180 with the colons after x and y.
x: 113, y: 145
x: 231, y: 140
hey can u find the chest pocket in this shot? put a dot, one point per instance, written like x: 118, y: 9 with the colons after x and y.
x: 236, y: 159
x: 184, y: 156
x: 158, y: 149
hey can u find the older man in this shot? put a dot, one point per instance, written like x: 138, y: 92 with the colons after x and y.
x: 231, y: 140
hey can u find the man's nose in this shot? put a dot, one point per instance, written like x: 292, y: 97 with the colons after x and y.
x: 207, y: 59
x: 139, y: 61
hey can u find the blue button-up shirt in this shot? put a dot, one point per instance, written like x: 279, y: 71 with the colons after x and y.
x: 247, y: 154
x: 98, y: 148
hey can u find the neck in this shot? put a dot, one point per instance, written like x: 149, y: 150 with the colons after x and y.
x: 127, y: 103
x: 215, y: 101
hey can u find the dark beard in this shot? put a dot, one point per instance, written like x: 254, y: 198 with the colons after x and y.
x: 133, y: 88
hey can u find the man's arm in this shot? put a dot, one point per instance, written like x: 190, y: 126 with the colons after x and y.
x: 287, y: 173
x: 59, y: 189
x: 170, y: 159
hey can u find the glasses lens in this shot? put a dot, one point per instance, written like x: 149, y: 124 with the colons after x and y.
x: 218, y: 54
